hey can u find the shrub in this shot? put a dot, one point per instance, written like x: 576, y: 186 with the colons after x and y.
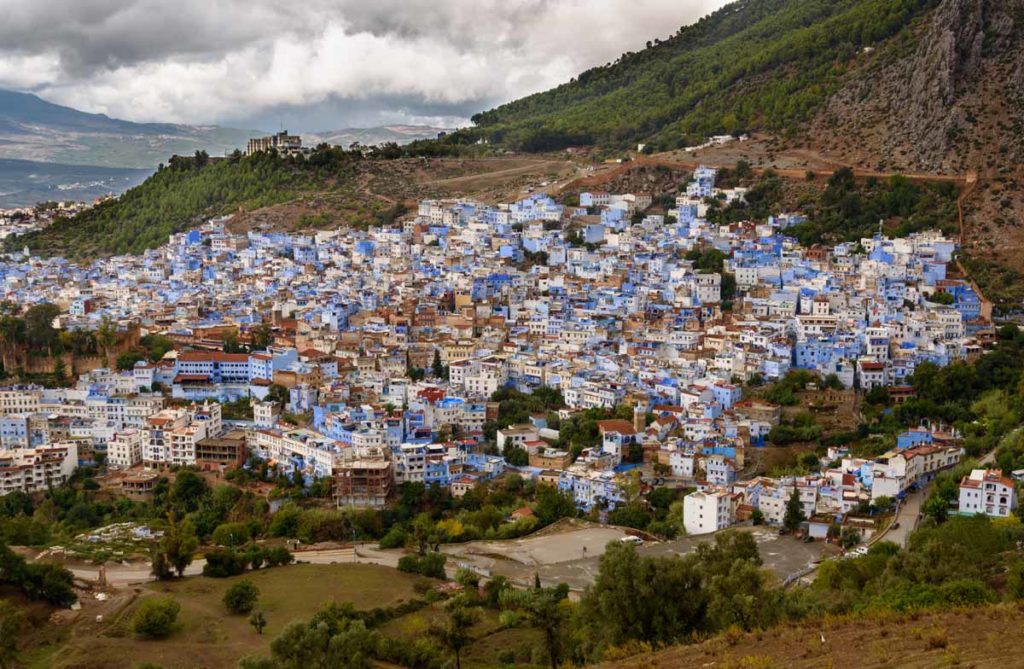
x: 431, y: 564
x: 278, y: 556
x: 155, y: 617
x: 241, y: 597
x: 232, y: 534
x: 467, y: 578
x: 51, y: 582
x: 395, y: 538
x: 224, y: 562
x: 939, y: 638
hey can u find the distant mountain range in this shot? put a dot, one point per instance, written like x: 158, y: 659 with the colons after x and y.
x: 399, y: 134
x: 33, y: 129
x: 48, y: 151
x: 23, y: 183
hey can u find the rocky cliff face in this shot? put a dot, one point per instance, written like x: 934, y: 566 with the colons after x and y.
x: 937, y: 99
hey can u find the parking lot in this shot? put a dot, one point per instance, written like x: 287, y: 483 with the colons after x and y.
x: 784, y: 555
x: 572, y: 554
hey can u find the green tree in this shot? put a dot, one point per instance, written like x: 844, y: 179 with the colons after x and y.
x: 454, y: 632
x: 232, y: 534
x: 188, y: 491
x: 39, y: 330
x: 546, y: 610
x: 277, y: 393
x: 106, y: 336
x: 656, y: 600
x: 11, y: 624
x: 553, y: 504
x: 157, y: 346
x: 179, y: 545
x: 230, y: 343
x: 849, y: 537
x: 241, y: 597
x: 794, y: 512
x: 742, y: 596
x: 60, y: 371
x: 155, y: 617
x: 159, y: 566
x: 258, y: 621
x: 516, y: 456
x: 261, y: 336
x: 335, y: 638
x: 127, y: 361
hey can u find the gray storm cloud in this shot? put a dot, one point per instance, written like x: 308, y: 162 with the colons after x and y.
x: 202, y: 61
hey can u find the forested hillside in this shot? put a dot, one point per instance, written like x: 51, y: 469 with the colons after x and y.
x: 183, y: 193
x: 754, y: 64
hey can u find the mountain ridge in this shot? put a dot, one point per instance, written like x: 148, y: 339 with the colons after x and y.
x: 398, y: 133
x: 36, y: 130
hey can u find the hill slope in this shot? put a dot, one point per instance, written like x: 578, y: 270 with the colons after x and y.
x: 185, y: 192
x: 980, y: 637
x: 34, y: 129
x: 767, y: 64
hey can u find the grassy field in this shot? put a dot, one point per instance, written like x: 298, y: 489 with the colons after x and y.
x: 210, y: 637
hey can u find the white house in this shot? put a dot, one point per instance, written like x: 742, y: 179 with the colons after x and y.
x: 125, y: 448
x: 989, y: 492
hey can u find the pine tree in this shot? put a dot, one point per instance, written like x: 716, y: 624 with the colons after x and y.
x: 436, y: 367
x: 794, y: 512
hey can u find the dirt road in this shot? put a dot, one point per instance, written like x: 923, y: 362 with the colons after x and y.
x: 123, y: 576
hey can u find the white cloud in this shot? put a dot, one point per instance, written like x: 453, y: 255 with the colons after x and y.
x: 197, y: 61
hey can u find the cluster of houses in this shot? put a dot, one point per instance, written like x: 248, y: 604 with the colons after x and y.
x: 844, y: 484
x: 22, y: 220
x: 611, y: 303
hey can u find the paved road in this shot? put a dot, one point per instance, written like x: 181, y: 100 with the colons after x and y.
x: 990, y: 457
x: 907, y: 517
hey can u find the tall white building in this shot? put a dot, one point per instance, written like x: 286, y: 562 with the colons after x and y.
x: 125, y: 449
x: 33, y: 469
x: 706, y: 512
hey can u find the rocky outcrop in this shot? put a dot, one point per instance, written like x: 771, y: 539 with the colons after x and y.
x: 936, y: 98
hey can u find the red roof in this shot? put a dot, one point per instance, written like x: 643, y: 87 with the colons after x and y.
x: 619, y: 425
x: 185, y: 378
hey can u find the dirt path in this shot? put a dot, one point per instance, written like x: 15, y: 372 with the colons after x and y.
x: 509, y: 172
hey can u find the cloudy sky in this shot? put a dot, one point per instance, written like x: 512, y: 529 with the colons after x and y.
x: 315, y: 64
